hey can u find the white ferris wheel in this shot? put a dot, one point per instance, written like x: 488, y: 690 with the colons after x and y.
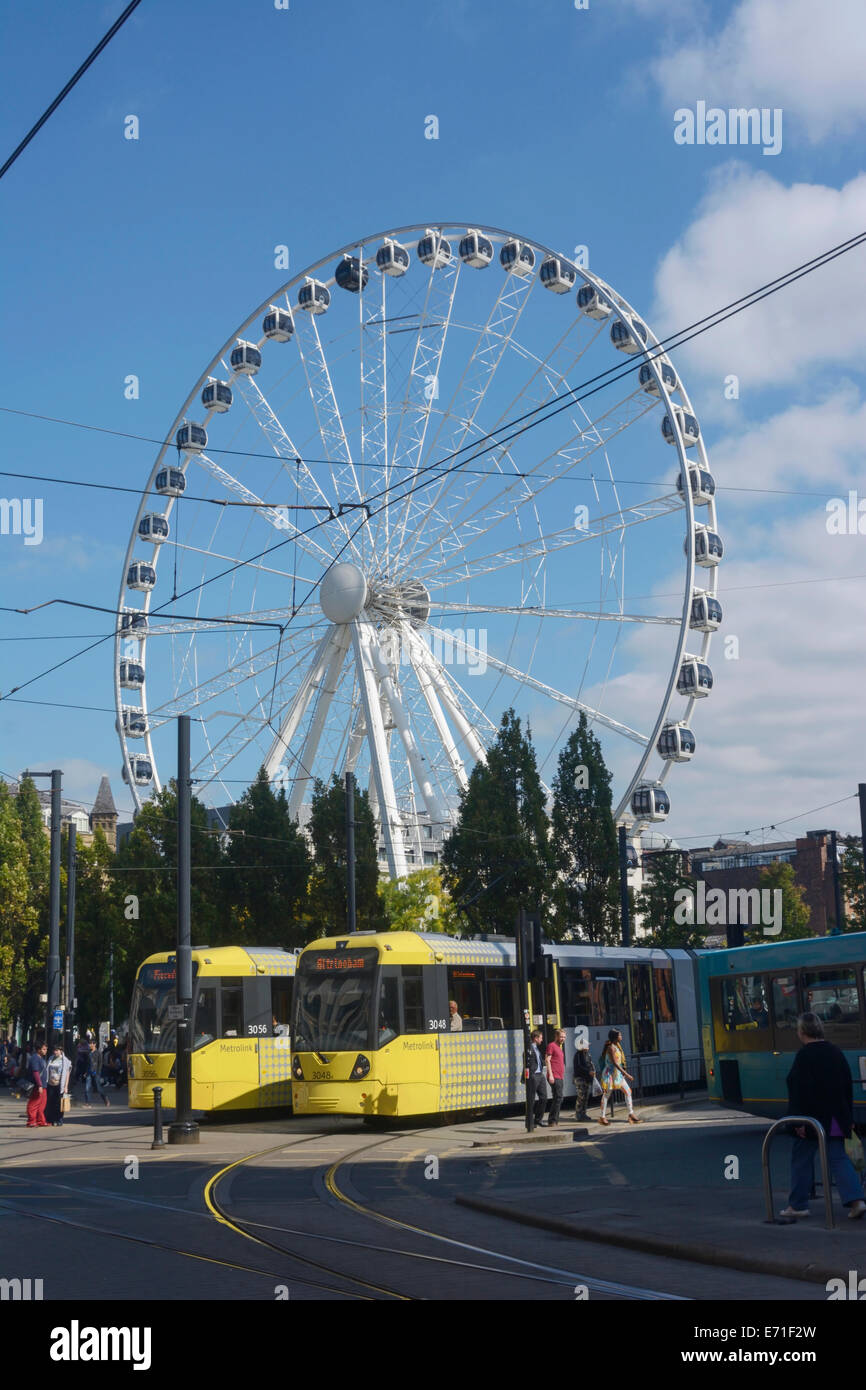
x: 387, y: 513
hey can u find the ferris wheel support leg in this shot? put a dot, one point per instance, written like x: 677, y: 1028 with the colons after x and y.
x: 324, y: 690
x: 363, y: 639
x: 433, y: 704
x: 443, y: 690
x: 418, y: 761
x: 356, y: 742
x: 299, y: 705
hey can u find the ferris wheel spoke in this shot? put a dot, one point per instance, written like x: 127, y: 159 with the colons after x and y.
x: 523, y: 678
x: 450, y: 693
x: 364, y: 639
x: 373, y: 353
x: 428, y: 690
x: 284, y: 447
x: 556, y: 540
x: 246, y: 564
x: 335, y: 445
x: 539, y: 611
x: 322, y: 694
x: 300, y: 702
x: 236, y: 673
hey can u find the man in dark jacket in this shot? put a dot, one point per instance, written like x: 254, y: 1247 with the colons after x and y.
x: 584, y: 1071
x: 819, y: 1085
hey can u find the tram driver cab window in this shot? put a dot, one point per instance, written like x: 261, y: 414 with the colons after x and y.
x: 205, y: 1014
x: 232, y: 1008
x: 465, y: 988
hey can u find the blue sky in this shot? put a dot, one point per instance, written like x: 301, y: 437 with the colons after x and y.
x: 306, y: 127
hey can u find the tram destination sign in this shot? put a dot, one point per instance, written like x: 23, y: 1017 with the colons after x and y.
x: 338, y: 962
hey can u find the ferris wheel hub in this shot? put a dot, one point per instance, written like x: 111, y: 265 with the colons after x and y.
x: 343, y: 593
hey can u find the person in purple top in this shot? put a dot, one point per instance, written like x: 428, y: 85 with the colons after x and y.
x: 820, y: 1085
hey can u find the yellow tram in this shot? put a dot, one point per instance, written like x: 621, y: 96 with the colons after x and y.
x: 374, y: 1033
x: 242, y: 1000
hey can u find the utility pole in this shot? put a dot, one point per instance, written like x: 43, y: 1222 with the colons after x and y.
x: 625, y: 921
x: 184, y: 1130
x: 862, y: 793
x: 351, y: 914
x: 52, y: 968
x: 70, y: 932
x: 110, y: 988
x: 523, y: 987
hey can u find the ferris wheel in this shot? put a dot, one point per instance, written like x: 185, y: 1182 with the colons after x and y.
x: 386, y: 514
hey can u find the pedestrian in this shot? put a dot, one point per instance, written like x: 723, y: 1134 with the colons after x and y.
x: 36, y: 1104
x: 584, y: 1075
x: 537, y: 1078
x: 614, y: 1077
x: 555, y: 1070
x: 820, y: 1085
x: 93, y: 1079
x: 57, y: 1085
x: 456, y: 1024
x: 82, y: 1058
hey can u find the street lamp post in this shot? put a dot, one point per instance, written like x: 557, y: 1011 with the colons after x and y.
x: 52, y: 968
x: 184, y: 1130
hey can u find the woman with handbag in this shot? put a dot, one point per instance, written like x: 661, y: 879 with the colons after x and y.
x: 614, y: 1077
x: 57, y: 1085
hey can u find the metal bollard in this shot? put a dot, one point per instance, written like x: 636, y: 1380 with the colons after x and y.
x: 158, y: 1141
x: 821, y: 1137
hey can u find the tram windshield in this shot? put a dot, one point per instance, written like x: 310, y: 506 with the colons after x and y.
x: 150, y: 1028
x: 334, y: 993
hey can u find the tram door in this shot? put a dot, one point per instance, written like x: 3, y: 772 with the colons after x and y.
x: 642, y: 1008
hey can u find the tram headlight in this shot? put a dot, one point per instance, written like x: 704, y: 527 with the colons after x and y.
x: 361, y: 1067
x: 297, y: 1070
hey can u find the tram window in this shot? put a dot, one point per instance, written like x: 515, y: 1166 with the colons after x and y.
x: 742, y: 1015
x: 786, y: 1007
x: 205, y: 1015
x: 575, y: 997
x: 607, y: 993
x: 413, y: 999
x: 464, y: 986
x: 389, y: 1009
x: 281, y: 1004
x: 665, y: 1002
x: 501, y: 1012
x: 832, y: 995
x: 232, y: 1008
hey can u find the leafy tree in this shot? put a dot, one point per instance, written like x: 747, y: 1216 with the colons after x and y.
x: 264, y: 889
x: 498, y: 857
x: 327, y: 895
x: 662, y: 904
x: 418, y: 902
x: 18, y: 917
x: 584, y: 842
x: 852, y: 882
x: 102, y: 929
x: 29, y: 810
x: 795, y: 912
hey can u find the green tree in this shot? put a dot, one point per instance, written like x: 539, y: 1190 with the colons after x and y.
x: 795, y: 913
x: 419, y: 902
x: 327, y: 894
x: 102, y: 932
x: 498, y: 858
x: 663, y: 904
x: 584, y: 842
x: 18, y: 918
x: 29, y: 810
x: 264, y: 889
x: 852, y: 882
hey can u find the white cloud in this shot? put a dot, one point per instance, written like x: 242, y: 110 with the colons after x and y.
x: 805, y: 57
x: 812, y: 446
x: 748, y: 230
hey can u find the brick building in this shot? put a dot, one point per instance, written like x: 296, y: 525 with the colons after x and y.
x: 737, y: 864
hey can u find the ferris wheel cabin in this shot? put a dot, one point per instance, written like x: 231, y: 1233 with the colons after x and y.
x: 133, y: 721
x: 689, y: 428
x: 141, y: 575
x: 141, y: 770
x: 706, y: 612
x: 351, y: 274
x: 192, y: 439
x: 278, y: 324
x: 695, y: 677
x: 628, y: 335
x: 245, y: 359
x: 392, y: 258
x: 133, y: 623
x: 433, y: 250
x: 557, y: 275
x: 170, y: 482
x: 650, y: 802
x: 516, y: 256
x: 701, y: 482
x: 647, y: 377
x: 676, y: 743
x: 131, y: 675
x: 153, y: 527
x: 590, y: 302
x: 709, y: 547
x: 475, y: 249
x: 216, y: 395
x: 314, y: 297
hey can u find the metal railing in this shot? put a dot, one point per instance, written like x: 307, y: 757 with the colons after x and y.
x: 825, y: 1169
x: 658, y: 1074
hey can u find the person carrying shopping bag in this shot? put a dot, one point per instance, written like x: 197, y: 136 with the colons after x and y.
x: 614, y: 1077
x: 58, y: 1073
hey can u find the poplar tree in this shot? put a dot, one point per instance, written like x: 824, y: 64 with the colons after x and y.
x: 584, y: 841
x: 18, y: 918
x: 498, y: 857
x: 852, y: 883
x: 264, y: 885
x: 327, y: 895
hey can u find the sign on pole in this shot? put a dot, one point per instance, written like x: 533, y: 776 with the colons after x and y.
x: 57, y: 1020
